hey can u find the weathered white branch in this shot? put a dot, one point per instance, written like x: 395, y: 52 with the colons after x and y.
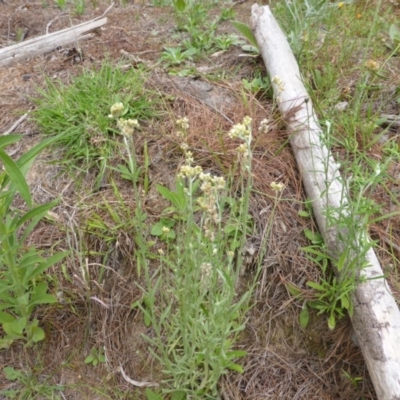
x: 43, y: 44
x: 376, y: 318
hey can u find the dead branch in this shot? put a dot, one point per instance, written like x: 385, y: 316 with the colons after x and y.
x: 376, y: 317
x: 42, y: 44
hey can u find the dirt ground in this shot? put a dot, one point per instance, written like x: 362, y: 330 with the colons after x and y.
x: 284, y: 361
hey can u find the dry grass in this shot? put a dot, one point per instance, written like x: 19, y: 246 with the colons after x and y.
x: 95, y: 296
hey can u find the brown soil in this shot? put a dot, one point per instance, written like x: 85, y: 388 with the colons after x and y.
x: 284, y: 361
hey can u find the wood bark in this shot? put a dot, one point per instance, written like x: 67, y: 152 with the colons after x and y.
x: 42, y: 44
x: 376, y: 317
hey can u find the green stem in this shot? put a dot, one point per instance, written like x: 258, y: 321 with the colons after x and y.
x: 18, y: 288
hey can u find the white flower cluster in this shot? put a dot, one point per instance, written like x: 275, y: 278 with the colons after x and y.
x: 183, y: 126
x: 128, y: 126
x: 264, y: 127
x: 187, y: 171
x: 183, y: 123
x: 277, y: 187
x: 241, y: 131
x: 116, y: 110
x: 208, y: 202
x: 279, y: 85
x: 372, y: 65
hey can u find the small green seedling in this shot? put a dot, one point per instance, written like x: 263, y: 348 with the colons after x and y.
x: 246, y: 31
x: 96, y: 356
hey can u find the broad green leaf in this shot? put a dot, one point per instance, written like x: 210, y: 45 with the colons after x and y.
x: 332, y: 322
x: 178, y: 395
x: 27, y: 264
x: 157, y: 228
x: 180, y: 5
x: 345, y: 302
x: 16, y: 177
x: 40, y: 288
x: 39, y: 295
x: 37, y: 334
x: 171, y: 234
x: 15, y: 328
x: 6, y: 342
x: 177, y: 199
x: 246, y: 32
x: 12, y: 374
x: 151, y: 395
x: 43, y: 266
x: 89, y: 359
x: 6, y: 318
x: 38, y: 214
x: 23, y: 300
x: 39, y: 211
x: 309, y: 234
x: 165, y: 192
x: 314, y: 237
x: 43, y: 299
x: 304, y: 214
x: 9, y: 139
x: 304, y: 317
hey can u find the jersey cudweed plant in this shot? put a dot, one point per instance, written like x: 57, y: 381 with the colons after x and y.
x: 22, y: 283
x: 192, y: 299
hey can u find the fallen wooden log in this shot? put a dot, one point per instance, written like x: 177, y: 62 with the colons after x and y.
x: 376, y: 317
x: 42, y: 44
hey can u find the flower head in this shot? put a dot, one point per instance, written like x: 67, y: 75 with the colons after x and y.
x: 372, y: 65
x: 128, y: 126
x: 183, y: 126
x: 205, y: 273
x: 263, y: 128
x: 279, y: 84
x: 277, y: 187
x: 242, y: 131
x: 183, y: 123
x: 187, y: 171
x: 116, y: 110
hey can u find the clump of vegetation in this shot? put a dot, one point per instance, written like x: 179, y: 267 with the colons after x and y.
x: 74, y: 112
x: 23, y: 285
x: 186, y: 261
x: 191, y: 298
